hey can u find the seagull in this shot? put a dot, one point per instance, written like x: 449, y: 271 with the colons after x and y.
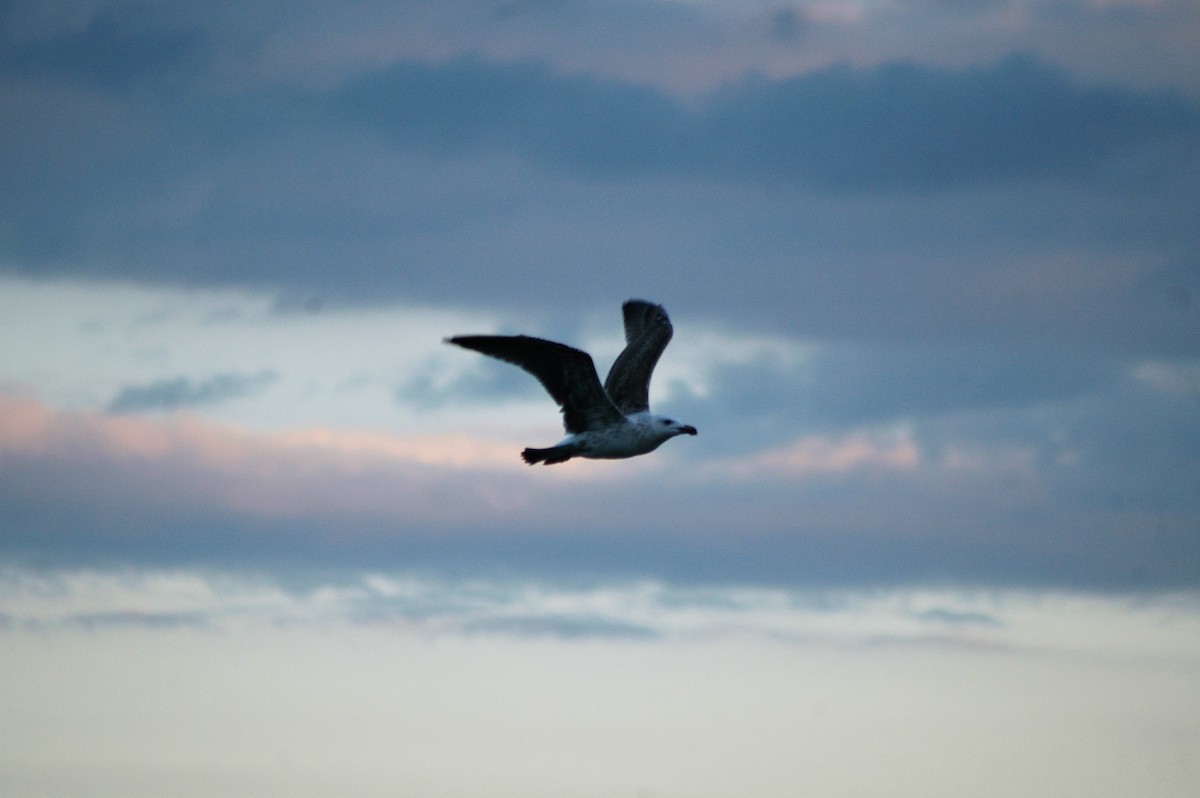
x: 610, y: 421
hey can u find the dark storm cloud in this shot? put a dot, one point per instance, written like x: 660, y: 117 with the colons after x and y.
x: 1142, y: 451
x: 844, y: 386
x: 181, y: 392
x: 841, y: 201
x: 839, y: 389
x: 576, y: 122
x: 112, y: 50
x: 901, y: 125
x: 915, y: 127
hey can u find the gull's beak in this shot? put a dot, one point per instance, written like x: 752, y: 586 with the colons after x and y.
x: 688, y: 430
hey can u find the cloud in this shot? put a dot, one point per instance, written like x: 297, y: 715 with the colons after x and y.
x: 575, y: 122
x: 429, y: 387
x: 915, y: 127
x: 982, y: 260
x: 958, y: 618
x: 821, y: 455
x: 895, y: 197
x: 939, y: 502
x: 842, y: 386
x: 653, y: 611
x: 181, y: 392
x: 900, y: 125
x: 112, y: 49
x: 567, y: 628
x: 1004, y: 200
x: 124, y: 466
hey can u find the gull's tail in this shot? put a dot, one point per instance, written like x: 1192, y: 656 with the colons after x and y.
x: 555, y: 454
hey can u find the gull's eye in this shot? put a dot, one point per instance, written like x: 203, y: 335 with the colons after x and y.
x: 665, y: 422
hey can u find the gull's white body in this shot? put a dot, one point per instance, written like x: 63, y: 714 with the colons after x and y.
x: 641, y: 433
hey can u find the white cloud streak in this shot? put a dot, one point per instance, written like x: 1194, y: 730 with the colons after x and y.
x: 1163, y: 626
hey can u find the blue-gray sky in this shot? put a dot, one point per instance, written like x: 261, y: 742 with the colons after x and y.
x: 977, y: 264
x: 934, y: 270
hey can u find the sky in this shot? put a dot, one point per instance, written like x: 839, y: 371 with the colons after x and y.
x: 934, y: 273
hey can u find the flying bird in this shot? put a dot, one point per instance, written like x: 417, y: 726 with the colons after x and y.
x: 609, y: 421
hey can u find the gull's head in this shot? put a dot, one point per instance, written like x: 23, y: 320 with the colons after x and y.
x: 670, y: 427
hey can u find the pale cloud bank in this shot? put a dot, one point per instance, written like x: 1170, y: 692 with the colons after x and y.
x: 141, y: 683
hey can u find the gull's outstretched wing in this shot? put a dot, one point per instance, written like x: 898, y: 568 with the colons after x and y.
x: 647, y: 333
x: 567, y: 373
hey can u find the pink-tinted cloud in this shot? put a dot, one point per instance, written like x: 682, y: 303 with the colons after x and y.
x: 303, y: 472
x: 822, y: 454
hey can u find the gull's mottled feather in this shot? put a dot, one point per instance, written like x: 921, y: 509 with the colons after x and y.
x: 647, y: 332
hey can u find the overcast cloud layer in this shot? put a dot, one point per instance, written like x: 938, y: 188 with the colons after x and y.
x: 1018, y: 195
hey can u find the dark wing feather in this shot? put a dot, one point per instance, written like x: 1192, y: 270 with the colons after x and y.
x: 567, y: 373
x: 647, y: 333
